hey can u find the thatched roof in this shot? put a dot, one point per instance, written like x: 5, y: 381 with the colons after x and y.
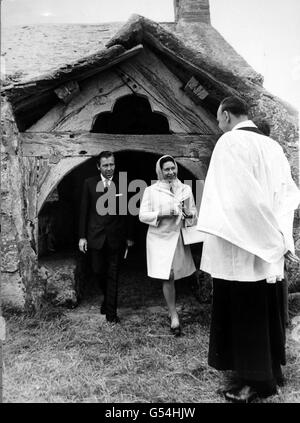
x: 33, y: 50
x: 78, y: 70
x: 81, y: 50
x: 213, y: 61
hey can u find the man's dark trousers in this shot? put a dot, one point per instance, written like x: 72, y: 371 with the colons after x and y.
x: 106, y: 237
x: 105, y: 266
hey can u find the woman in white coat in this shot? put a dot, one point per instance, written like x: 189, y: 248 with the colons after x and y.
x: 165, y: 206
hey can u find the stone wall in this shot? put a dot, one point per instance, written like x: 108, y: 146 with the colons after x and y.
x: 24, y: 284
x: 57, y: 276
x: 18, y: 260
x: 12, y: 288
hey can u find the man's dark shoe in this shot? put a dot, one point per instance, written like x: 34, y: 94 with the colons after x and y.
x: 113, y: 319
x: 103, y: 309
x: 280, y: 381
x: 242, y: 395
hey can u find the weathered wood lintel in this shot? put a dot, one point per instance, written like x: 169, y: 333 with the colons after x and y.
x: 59, y: 145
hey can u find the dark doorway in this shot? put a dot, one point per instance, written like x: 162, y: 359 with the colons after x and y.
x: 62, y: 215
x: 59, y: 216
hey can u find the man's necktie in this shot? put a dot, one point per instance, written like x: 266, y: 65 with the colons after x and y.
x: 105, y: 190
x: 105, y: 185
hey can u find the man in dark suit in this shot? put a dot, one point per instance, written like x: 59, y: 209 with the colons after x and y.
x: 104, y: 230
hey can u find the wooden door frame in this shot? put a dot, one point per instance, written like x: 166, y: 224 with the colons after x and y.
x: 49, y: 157
x: 63, y: 152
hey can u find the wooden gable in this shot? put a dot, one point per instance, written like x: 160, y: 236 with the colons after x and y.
x: 62, y: 140
x: 144, y: 75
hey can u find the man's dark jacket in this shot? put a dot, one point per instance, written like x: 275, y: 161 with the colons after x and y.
x: 113, y: 227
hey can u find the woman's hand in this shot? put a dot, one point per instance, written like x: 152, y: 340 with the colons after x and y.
x: 186, y: 213
x: 83, y: 245
x: 168, y: 213
x: 129, y: 243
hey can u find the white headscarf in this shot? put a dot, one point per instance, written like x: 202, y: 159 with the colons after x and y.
x: 180, y: 191
x: 158, y: 169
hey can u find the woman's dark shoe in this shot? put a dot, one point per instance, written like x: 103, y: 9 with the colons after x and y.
x: 175, y: 326
x: 176, y: 331
x: 243, y: 395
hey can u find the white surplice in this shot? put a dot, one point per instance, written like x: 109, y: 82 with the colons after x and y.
x: 247, y: 208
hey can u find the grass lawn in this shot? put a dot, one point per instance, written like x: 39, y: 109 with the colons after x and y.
x: 79, y: 357
x: 76, y: 356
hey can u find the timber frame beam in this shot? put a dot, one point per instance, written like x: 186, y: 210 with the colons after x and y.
x: 56, y: 146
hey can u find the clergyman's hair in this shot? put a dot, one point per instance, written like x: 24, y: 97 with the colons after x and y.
x: 104, y: 155
x: 263, y: 126
x: 234, y: 105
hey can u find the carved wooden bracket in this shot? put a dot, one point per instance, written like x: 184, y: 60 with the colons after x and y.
x: 67, y: 91
x: 195, y: 90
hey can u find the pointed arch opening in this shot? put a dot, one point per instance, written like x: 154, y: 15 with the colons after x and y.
x: 131, y: 114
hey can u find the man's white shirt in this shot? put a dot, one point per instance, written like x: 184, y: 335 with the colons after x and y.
x: 106, y: 182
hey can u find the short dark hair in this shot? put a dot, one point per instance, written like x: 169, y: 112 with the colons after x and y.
x: 104, y: 155
x: 263, y: 126
x: 165, y: 160
x: 234, y: 105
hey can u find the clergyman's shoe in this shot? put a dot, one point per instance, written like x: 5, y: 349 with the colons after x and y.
x: 234, y: 385
x: 113, y: 319
x: 242, y: 395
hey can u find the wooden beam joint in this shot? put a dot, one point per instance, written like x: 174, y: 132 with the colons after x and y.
x: 195, y: 90
x: 68, y: 91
